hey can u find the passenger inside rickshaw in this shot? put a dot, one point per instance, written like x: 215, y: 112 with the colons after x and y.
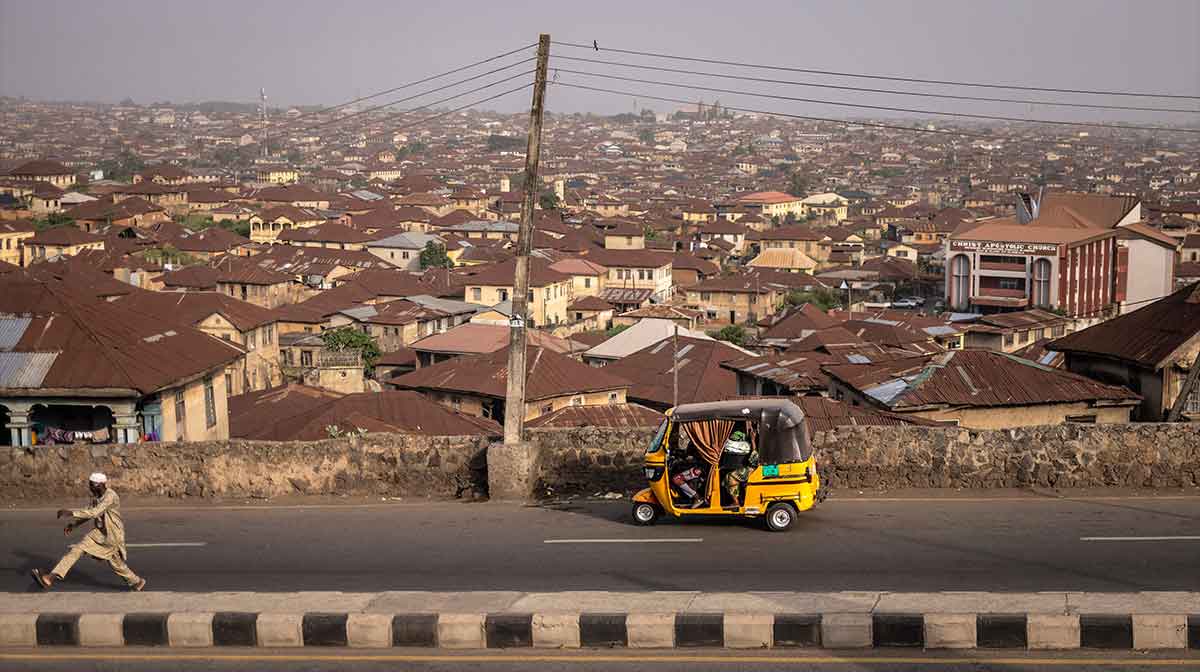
x: 739, y: 457
x: 688, y: 473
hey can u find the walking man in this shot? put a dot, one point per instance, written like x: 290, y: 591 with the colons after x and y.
x: 105, y: 542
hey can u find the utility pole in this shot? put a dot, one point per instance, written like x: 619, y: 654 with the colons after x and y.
x: 514, y: 397
x: 675, y: 367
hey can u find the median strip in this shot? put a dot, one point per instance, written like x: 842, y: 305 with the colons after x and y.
x: 598, y: 620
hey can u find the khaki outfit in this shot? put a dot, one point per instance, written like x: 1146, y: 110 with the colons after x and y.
x: 105, y: 542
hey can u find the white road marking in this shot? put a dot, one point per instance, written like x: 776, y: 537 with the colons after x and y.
x: 169, y: 544
x: 1182, y: 538
x: 680, y: 540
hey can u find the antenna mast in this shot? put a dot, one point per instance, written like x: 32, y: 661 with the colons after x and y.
x: 262, y: 111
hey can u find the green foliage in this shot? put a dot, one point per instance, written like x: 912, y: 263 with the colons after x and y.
x: 646, y: 135
x: 734, y: 333
x: 887, y: 172
x: 226, y: 156
x: 798, y: 184
x: 548, y: 200
x: 505, y: 143
x: 195, y: 221
x: 616, y: 330
x: 349, y: 338
x: 53, y: 220
x: 434, y: 256
x: 240, y: 228
x: 821, y: 297
x: 122, y: 167
x: 169, y: 254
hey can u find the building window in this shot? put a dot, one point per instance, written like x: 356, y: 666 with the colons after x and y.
x: 1041, y: 282
x: 306, y: 358
x: 587, y: 283
x: 576, y: 401
x: 705, y: 296
x: 228, y: 383
x: 1009, y: 340
x: 180, y: 416
x: 477, y: 293
x: 613, y: 397
x: 210, y: 403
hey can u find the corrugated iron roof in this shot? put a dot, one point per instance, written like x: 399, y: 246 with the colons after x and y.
x: 25, y: 369
x: 11, y: 330
x: 1148, y: 336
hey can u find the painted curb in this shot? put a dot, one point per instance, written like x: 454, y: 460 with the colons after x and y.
x: 570, y: 630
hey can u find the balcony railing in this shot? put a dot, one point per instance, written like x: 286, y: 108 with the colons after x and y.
x: 1002, y: 266
x: 1002, y: 293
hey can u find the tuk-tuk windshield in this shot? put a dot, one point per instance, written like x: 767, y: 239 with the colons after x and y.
x: 657, y: 441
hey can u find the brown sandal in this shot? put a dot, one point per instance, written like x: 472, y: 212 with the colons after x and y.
x: 43, y: 580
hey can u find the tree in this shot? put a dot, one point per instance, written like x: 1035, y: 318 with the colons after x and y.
x: 798, y: 184
x: 434, y: 256
x: 646, y: 135
x: 123, y: 166
x: 616, y: 330
x: 548, y: 200
x: 241, y: 228
x: 821, y: 297
x: 344, y: 339
x: 734, y: 333
x: 53, y: 220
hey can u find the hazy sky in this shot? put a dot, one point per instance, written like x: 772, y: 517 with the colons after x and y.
x: 307, y: 52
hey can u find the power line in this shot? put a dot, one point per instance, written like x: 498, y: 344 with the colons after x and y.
x: 840, y: 122
x: 422, y: 94
x: 394, y: 89
x: 449, y: 98
x: 920, y: 94
x: 917, y: 80
x: 457, y: 109
x: 887, y: 108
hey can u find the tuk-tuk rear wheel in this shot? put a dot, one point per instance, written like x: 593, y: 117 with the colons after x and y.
x: 780, y: 516
x: 645, y: 513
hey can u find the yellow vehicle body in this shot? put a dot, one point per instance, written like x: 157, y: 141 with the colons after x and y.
x: 795, y: 483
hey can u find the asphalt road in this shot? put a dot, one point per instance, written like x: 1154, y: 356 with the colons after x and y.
x: 696, y: 660
x: 1025, y: 544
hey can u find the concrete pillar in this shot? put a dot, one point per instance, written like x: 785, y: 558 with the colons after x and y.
x: 18, y: 424
x: 127, y: 427
x: 512, y: 471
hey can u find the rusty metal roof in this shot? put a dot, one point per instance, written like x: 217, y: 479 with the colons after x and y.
x: 1149, y: 336
x: 612, y: 415
x: 701, y: 377
x: 973, y: 378
x: 547, y: 374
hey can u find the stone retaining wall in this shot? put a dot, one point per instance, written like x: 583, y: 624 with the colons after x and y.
x: 377, y: 464
x: 1074, y: 455
x: 594, y: 461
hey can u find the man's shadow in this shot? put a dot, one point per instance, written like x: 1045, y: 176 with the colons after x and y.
x: 78, y: 576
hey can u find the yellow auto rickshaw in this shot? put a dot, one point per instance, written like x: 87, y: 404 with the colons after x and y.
x: 748, y: 458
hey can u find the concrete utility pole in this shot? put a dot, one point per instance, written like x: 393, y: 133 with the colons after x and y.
x: 514, y: 398
x: 675, y: 367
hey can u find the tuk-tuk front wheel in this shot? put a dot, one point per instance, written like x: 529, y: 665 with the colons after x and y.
x: 645, y: 513
x: 780, y: 516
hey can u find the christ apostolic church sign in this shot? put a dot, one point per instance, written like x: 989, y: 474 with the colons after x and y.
x: 1003, y: 247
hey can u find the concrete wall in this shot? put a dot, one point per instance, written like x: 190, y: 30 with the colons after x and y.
x: 590, y: 461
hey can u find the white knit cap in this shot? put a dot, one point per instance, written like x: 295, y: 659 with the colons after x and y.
x: 98, y: 477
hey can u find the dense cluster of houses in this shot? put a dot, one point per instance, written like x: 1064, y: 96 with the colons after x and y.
x: 675, y: 259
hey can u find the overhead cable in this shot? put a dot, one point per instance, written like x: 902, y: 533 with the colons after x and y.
x: 917, y: 80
